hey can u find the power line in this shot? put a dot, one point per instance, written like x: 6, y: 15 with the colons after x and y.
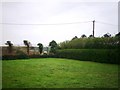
x: 60, y: 23
x: 46, y: 24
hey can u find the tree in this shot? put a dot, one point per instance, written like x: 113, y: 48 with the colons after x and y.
x: 27, y: 44
x: 74, y: 38
x: 53, y: 46
x: 10, y: 45
x: 90, y: 36
x: 107, y: 35
x: 117, y: 35
x: 83, y: 36
x: 40, y: 47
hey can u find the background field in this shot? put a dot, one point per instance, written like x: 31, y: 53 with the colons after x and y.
x: 58, y: 73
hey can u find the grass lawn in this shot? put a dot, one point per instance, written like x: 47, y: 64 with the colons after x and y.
x: 58, y: 73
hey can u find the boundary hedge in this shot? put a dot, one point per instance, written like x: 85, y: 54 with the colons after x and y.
x: 15, y: 57
x: 96, y: 55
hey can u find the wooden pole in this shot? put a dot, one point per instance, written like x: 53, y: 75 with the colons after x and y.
x: 93, y: 28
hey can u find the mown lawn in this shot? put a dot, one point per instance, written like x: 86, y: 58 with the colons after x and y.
x: 58, y: 73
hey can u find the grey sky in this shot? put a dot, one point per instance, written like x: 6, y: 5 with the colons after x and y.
x: 105, y: 14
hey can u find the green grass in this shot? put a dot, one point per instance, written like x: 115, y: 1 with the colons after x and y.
x: 58, y: 73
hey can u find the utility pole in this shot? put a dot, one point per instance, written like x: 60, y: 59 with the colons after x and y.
x: 93, y: 27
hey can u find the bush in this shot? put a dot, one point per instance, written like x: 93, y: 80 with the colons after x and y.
x: 14, y: 57
x: 42, y: 56
x: 97, y: 55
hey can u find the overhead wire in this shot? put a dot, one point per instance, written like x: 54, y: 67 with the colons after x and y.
x: 59, y: 23
x: 45, y: 24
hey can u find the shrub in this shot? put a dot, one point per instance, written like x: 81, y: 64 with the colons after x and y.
x: 97, y: 55
x: 14, y: 57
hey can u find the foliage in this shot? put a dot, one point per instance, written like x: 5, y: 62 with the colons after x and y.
x: 15, y: 57
x: 40, y: 47
x: 27, y: 43
x: 97, y: 55
x: 53, y: 46
x: 92, y: 43
x: 42, y: 56
x: 74, y: 38
x: 24, y: 56
x: 9, y: 43
x: 58, y: 73
x: 83, y: 36
x: 117, y: 35
x: 90, y: 36
x: 10, y: 46
x: 107, y: 35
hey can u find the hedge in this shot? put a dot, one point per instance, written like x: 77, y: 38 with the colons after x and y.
x: 97, y: 55
x: 15, y: 57
x: 42, y: 56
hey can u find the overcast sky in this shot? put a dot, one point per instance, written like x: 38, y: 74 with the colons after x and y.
x: 38, y: 19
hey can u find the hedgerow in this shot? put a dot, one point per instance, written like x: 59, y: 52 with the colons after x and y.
x: 14, y: 57
x: 97, y: 55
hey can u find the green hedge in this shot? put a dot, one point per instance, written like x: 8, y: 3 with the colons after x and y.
x: 42, y: 56
x: 97, y: 55
x: 14, y: 57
